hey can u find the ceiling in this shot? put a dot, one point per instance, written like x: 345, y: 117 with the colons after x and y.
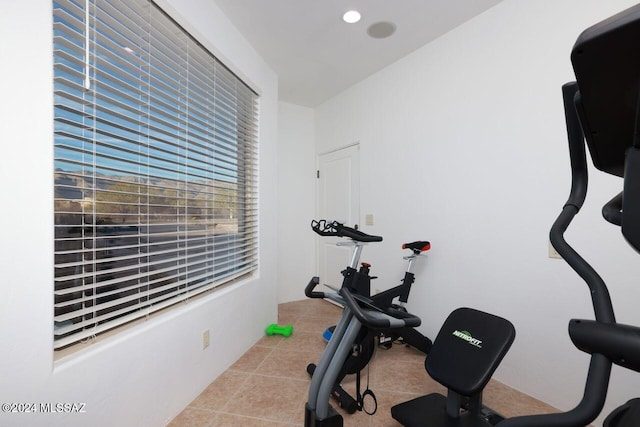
x: 316, y: 55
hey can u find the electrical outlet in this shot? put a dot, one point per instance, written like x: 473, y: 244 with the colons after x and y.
x: 553, y: 253
x: 205, y: 339
x: 368, y: 219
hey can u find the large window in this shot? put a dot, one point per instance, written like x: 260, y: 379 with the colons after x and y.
x: 155, y: 167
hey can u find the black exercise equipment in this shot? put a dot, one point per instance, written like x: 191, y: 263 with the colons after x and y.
x: 603, y: 107
x: 364, y: 318
x: 359, y: 281
x: 462, y: 361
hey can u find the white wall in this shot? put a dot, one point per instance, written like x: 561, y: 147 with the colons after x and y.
x: 146, y: 375
x: 296, y: 200
x: 470, y: 132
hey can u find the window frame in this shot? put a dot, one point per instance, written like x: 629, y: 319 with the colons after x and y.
x: 94, y: 98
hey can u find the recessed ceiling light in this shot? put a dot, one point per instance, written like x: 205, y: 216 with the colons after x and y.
x: 351, y: 17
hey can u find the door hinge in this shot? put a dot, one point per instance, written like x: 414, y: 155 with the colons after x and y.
x: 318, y: 174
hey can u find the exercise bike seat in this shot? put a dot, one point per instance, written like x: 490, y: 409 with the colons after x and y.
x: 468, y: 349
x: 418, y: 246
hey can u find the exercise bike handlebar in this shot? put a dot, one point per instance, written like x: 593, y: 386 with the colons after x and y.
x: 337, y: 229
x: 376, y: 318
x: 310, y: 293
x: 309, y: 289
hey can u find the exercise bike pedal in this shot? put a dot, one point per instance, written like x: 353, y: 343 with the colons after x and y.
x: 333, y: 420
x: 385, y: 341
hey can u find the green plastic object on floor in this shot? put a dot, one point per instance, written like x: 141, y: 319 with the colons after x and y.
x: 286, y: 330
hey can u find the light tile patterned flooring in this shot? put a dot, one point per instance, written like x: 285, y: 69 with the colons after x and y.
x: 268, y: 385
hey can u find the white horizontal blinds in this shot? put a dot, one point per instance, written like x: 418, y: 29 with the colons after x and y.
x: 155, y: 167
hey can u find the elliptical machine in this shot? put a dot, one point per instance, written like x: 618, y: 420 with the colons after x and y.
x: 603, y: 107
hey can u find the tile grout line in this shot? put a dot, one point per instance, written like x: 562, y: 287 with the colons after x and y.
x: 233, y: 414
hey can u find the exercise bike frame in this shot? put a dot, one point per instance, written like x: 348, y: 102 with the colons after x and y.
x: 355, y: 287
x: 318, y: 411
x: 359, y: 281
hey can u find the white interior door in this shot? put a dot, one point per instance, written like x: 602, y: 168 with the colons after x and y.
x: 338, y: 200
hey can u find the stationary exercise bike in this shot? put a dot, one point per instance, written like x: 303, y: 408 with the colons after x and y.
x: 360, y: 281
x: 603, y: 107
x: 351, y: 347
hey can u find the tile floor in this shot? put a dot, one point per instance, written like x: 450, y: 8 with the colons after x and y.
x: 268, y: 385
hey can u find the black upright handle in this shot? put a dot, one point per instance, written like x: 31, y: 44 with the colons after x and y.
x: 599, y: 293
x: 577, y: 151
x: 595, y: 390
